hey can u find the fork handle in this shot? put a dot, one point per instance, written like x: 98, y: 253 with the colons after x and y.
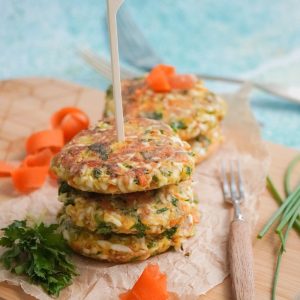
x: 241, y: 260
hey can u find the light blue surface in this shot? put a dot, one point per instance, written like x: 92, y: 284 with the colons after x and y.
x: 254, y: 39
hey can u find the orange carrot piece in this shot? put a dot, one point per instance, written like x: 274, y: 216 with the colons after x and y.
x: 41, y: 146
x: 182, y: 81
x: 71, y: 120
x: 58, y: 116
x: 72, y: 124
x: 52, y: 138
x: 157, y: 80
x: 42, y: 158
x: 168, y: 70
x: 27, y: 179
x: 152, y: 284
x: 142, y: 179
x: 5, y: 169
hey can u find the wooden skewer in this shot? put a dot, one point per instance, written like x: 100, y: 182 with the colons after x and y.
x: 112, y: 9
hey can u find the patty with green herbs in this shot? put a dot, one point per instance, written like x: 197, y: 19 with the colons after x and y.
x: 190, y: 112
x: 152, y: 156
x: 143, y: 213
x: 122, y: 248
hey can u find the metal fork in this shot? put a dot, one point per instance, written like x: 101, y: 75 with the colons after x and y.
x: 240, y: 244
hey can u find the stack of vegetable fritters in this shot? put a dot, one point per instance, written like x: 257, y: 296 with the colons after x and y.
x: 126, y: 201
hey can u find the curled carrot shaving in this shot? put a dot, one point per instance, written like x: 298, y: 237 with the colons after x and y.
x: 5, y: 169
x: 40, y: 159
x: 51, y: 138
x: 182, y: 81
x: 157, y: 80
x: 168, y: 70
x: 32, y: 173
x: 70, y: 120
x: 163, y: 78
x: 152, y: 284
x: 27, y: 179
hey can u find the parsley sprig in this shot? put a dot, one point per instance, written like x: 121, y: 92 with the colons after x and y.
x: 287, y: 216
x: 39, y: 252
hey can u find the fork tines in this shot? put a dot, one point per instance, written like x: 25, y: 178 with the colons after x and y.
x: 232, y: 182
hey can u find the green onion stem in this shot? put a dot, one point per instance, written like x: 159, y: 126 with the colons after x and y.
x: 273, y: 191
x: 281, y: 250
x: 291, y: 210
x: 276, y: 274
x: 288, y: 173
x: 278, y: 212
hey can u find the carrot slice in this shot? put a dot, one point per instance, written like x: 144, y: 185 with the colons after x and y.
x: 27, y: 179
x: 142, y: 179
x: 52, y: 138
x: 168, y: 70
x: 42, y: 158
x: 182, y: 81
x: 152, y: 284
x: 58, y: 116
x: 71, y: 120
x: 72, y: 124
x: 157, y: 80
x: 5, y: 169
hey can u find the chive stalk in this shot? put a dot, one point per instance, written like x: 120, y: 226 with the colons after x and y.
x: 277, y: 214
x: 288, y: 174
x: 287, y: 216
x: 281, y: 250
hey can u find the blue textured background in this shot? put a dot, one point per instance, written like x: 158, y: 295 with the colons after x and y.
x: 258, y: 39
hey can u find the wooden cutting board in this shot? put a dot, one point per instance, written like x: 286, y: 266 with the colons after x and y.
x: 25, y: 106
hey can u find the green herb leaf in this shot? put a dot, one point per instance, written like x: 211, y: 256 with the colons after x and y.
x: 104, y: 228
x: 39, y: 252
x: 69, y: 201
x: 155, y: 178
x: 156, y: 115
x: 188, y: 170
x: 178, y: 125
x: 96, y: 173
x: 101, y: 149
x: 64, y: 188
x: 161, y: 210
x: 170, y: 232
x: 141, y: 228
x: 174, y: 201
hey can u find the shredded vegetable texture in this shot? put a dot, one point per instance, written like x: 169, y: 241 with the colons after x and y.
x: 286, y: 217
x: 40, y: 253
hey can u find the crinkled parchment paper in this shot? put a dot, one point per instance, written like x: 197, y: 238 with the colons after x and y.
x: 188, y: 276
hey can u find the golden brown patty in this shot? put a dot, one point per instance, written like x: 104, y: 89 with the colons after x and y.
x: 189, y: 112
x: 151, y: 156
x: 121, y: 248
x: 149, y: 213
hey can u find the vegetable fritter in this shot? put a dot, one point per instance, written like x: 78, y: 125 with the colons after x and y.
x: 121, y: 248
x: 190, y: 112
x: 142, y: 213
x: 151, y: 156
